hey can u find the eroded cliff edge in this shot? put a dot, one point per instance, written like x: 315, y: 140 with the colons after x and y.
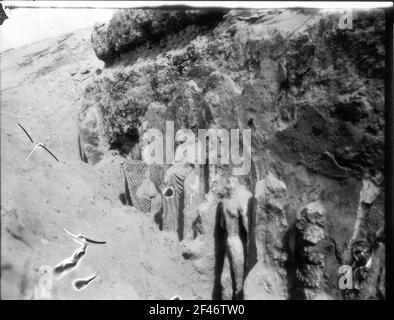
x: 313, y: 96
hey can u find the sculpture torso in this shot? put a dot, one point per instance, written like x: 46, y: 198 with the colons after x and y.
x: 231, y: 216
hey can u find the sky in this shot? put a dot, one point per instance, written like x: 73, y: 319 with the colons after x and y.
x: 25, y: 26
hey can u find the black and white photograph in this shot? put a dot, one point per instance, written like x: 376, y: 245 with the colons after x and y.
x: 188, y: 150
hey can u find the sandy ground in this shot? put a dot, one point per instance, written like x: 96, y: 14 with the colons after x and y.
x: 41, y: 88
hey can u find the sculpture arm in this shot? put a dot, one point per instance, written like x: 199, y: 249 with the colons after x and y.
x: 221, y: 216
x: 244, y: 219
x: 245, y: 224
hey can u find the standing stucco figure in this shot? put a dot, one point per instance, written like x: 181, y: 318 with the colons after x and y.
x: 173, y: 198
x: 233, y: 217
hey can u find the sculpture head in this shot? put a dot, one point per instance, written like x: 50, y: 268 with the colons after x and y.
x: 362, y: 251
x: 232, y: 185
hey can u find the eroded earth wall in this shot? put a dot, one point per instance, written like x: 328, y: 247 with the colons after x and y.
x: 312, y: 94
